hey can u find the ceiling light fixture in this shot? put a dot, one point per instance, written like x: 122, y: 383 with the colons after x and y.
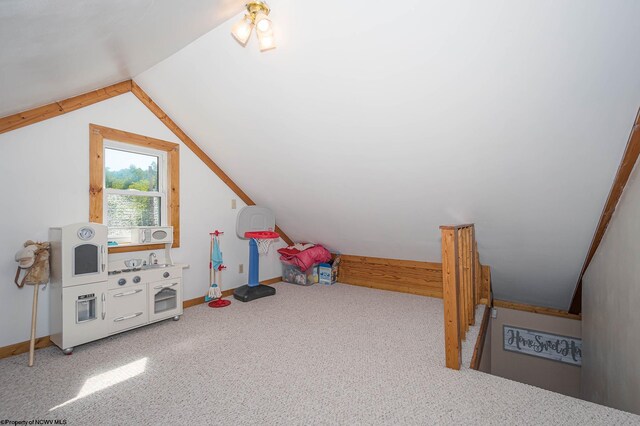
x: 257, y: 17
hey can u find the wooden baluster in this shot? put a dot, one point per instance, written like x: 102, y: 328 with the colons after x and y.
x: 474, y: 259
x: 478, y: 275
x: 463, y: 287
x: 463, y: 257
x: 451, y: 297
x: 486, y: 278
x: 472, y: 297
x: 464, y: 279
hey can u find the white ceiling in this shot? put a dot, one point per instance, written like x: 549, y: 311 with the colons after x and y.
x: 368, y: 127
x: 52, y: 50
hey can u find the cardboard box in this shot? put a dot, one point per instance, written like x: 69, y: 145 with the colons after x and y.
x: 327, y: 274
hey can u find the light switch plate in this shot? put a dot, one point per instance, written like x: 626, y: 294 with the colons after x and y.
x: 233, y: 204
x: 241, y: 268
x: 494, y: 313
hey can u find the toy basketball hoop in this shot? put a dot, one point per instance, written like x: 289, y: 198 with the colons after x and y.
x: 263, y: 239
x: 255, y: 224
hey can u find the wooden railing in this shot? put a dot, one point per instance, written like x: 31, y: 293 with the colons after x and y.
x: 463, y: 287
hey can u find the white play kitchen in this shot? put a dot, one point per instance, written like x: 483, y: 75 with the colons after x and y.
x: 92, y: 298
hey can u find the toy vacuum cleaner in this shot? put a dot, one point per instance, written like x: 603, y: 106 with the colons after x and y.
x: 255, y: 224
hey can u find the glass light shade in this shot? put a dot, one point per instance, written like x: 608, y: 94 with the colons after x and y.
x: 241, y: 31
x: 263, y: 24
x: 266, y: 40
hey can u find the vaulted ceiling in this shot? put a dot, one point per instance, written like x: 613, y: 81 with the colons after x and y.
x: 55, y: 49
x: 372, y: 124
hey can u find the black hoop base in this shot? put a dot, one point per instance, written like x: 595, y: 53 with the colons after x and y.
x: 247, y: 293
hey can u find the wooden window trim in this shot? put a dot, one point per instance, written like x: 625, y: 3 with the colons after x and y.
x: 97, y: 135
x: 36, y: 115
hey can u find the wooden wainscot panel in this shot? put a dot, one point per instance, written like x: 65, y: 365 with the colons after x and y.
x: 405, y: 276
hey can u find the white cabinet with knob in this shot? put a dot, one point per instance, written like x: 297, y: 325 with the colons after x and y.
x: 165, y: 299
x: 125, y: 301
x: 140, y: 297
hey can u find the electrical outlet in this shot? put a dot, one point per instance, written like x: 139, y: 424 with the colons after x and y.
x: 241, y: 268
x: 233, y: 204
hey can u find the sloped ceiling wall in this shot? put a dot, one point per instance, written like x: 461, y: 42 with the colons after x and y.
x: 56, y: 49
x: 373, y: 123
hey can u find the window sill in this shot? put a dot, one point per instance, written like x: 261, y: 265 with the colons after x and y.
x: 127, y: 249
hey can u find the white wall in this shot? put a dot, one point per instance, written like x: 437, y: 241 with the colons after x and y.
x: 45, y: 173
x: 373, y: 123
x: 611, y: 309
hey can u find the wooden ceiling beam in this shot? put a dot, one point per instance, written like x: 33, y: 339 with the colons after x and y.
x: 32, y: 116
x: 171, y: 125
x: 629, y: 159
x: 45, y: 112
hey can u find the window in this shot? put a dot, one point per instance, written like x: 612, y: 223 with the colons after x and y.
x: 134, y: 187
x: 134, y: 182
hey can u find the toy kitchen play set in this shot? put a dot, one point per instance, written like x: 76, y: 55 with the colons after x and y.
x: 93, y: 297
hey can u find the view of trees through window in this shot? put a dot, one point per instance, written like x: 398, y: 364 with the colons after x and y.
x: 132, y: 186
x: 133, y: 177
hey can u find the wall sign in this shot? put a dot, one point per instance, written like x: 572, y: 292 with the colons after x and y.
x: 544, y: 345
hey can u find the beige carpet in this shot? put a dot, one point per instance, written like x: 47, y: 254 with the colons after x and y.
x: 310, y: 355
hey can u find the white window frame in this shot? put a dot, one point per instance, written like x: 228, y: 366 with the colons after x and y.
x: 162, y: 177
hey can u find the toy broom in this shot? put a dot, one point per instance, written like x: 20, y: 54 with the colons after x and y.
x: 214, y: 295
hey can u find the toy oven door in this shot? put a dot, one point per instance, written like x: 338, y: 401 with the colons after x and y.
x: 88, y: 263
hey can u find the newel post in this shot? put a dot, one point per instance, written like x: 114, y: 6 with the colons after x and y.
x: 451, y: 296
